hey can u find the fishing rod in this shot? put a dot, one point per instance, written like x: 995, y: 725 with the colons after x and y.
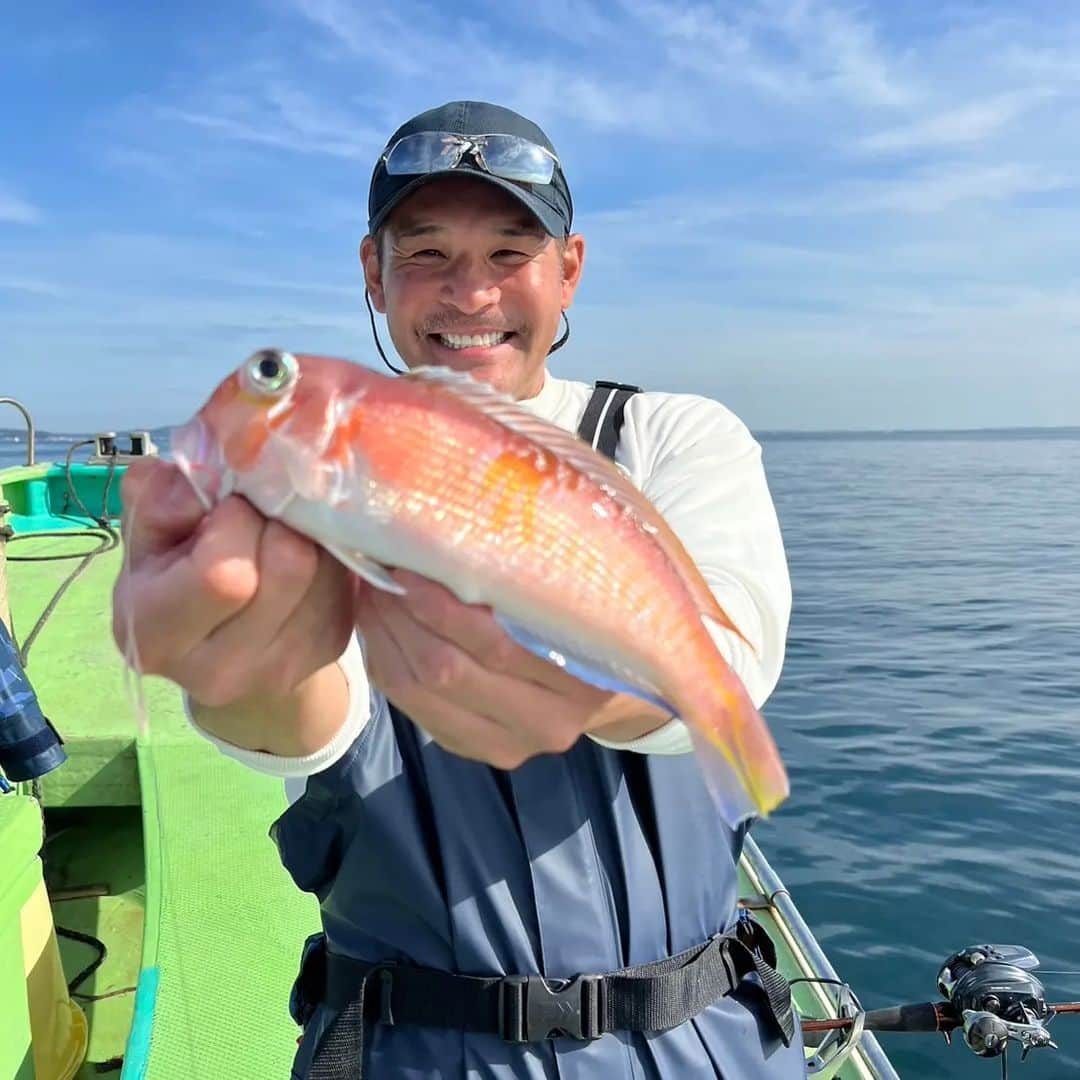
x: 989, y: 991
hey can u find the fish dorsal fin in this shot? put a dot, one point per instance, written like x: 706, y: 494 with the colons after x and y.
x: 567, y: 445
x: 580, y: 455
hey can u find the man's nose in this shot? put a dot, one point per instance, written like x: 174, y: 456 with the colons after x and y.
x: 471, y: 285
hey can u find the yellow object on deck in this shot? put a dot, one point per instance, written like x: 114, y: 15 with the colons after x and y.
x: 57, y: 1025
x: 44, y: 1033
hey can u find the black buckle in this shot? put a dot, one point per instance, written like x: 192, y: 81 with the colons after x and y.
x: 532, y: 1008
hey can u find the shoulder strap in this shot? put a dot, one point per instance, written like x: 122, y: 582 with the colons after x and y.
x: 603, y: 418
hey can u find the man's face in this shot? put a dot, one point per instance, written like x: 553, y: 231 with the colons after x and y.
x: 468, y: 279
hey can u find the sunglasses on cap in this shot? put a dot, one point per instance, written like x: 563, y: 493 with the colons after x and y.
x: 508, y: 156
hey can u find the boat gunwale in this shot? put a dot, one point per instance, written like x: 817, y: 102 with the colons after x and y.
x: 808, y: 954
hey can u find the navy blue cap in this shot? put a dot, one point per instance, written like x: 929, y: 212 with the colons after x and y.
x: 550, y: 203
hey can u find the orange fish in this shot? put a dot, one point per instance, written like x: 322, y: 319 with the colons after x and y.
x: 442, y: 475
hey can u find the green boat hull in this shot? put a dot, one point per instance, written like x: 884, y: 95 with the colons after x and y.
x: 156, y: 844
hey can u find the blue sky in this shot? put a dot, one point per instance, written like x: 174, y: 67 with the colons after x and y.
x: 827, y: 215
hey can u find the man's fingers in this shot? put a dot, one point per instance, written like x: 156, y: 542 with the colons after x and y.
x: 190, y: 595
x: 161, y: 508
x: 460, y: 730
x: 297, y: 622
x: 140, y: 474
x: 421, y: 672
x: 471, y: 736
x: 475, y: 629
x: 455, y: 672
x: 326, y: 617
x: 386, y: 664
x: 284, y: 566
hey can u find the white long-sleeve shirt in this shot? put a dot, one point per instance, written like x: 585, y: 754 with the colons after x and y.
x: 701, y: 468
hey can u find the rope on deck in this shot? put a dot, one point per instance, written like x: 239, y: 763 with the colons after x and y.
x: 108, y: 538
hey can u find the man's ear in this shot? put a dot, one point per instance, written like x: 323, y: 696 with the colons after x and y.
x: 371, y: 261
x: 573, y: 259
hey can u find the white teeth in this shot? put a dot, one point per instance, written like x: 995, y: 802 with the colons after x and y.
x: 467, y: 341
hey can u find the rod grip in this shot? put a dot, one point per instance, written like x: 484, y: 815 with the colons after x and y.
x: 924, y: 1016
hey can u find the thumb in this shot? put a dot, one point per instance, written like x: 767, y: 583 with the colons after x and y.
x: 160, y: 507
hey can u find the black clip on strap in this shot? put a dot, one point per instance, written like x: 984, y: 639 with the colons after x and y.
x: 530, y: 1010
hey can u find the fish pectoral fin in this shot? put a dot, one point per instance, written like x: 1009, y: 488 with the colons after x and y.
x: 717, y: 627
x: 587, y: 669
x: 368, y: 569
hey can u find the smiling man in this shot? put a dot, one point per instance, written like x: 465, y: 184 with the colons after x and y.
x: 520, y: 874
x: 473, y: 280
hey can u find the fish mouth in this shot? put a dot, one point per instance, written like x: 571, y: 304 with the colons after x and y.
x: 198, y: 455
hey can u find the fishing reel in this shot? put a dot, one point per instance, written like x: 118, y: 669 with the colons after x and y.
x: 989, y: 991
x: 996, y: 998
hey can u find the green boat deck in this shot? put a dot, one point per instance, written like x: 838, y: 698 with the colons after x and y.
x: 199, y: 909
x: 194, y: 906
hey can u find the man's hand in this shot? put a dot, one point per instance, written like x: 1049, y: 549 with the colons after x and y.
x: 453, y: 670
x: 241, y: 612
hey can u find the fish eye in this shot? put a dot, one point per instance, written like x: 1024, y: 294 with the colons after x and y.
x: 271, y: 371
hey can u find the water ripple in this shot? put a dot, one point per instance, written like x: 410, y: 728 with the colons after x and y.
x: 929, y: 712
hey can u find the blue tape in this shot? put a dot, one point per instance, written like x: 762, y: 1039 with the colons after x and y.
x: 137, y: 1055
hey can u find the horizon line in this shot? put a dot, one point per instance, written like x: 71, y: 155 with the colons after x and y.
x: 45, y: 433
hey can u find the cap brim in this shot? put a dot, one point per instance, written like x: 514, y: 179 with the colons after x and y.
x: 550, y: 219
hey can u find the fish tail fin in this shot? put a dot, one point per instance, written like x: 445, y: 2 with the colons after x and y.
x: 739, y: 760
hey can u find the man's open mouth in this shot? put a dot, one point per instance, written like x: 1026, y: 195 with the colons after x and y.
x: 473, y: 341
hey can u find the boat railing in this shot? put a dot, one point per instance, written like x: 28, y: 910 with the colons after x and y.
x: 30, y: 431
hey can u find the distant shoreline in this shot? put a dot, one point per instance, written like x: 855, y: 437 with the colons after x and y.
x: 13, y: 436
x: 922, y: 433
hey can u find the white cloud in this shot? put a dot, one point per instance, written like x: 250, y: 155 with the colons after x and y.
x: 32, y: 286
x: 671, y: 71
x: 796, y: 52
x: 937, y: 188
x: 971, y: 123
x: 280, y: 115
x: 962, y: 199
x: 1056, y: 62
x: 17, y: 211
x: 576, y: 22
x: 842, y: 49
x: 394, y: 44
